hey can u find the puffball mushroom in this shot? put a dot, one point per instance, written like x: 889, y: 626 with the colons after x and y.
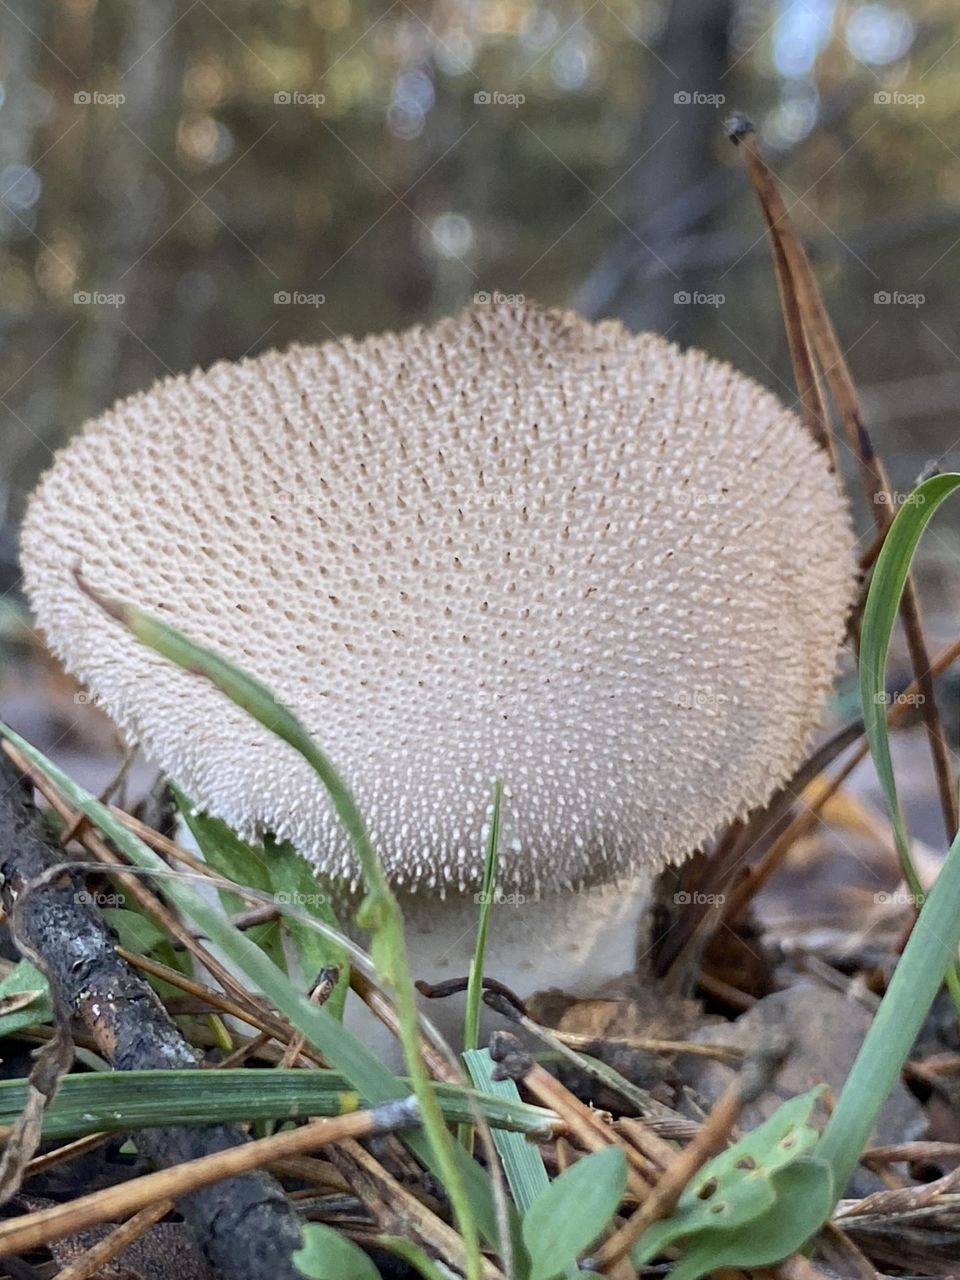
x: 515, y: 543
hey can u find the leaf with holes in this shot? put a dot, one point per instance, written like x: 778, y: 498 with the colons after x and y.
x: 804, y: 1198
x: 738, y: 1185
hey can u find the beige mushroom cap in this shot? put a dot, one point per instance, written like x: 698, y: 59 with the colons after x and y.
x: 513, y: 543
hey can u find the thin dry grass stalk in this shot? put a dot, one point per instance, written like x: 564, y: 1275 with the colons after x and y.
x: 822, y: 340
x: 740, y: 897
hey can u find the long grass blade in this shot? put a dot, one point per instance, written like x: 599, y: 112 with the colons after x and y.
x: 379, y: 912
x: 930, y: 955
x: 116, y: 1101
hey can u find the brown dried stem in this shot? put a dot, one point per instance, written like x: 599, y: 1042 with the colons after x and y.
x: 823, y: 342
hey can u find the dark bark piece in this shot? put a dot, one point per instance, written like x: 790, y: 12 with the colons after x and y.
x: 245, y: 1226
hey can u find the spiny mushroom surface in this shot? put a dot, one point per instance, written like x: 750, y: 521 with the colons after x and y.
x: 514, y: 543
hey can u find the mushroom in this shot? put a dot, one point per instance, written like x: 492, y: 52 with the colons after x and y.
x: 518, y: 544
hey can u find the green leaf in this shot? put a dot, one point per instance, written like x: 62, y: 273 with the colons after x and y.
x: 136, y: 932
x: 293, y: 880
x: 327, y: 1255
x: 572, y: 1211
x: 804, y: 1198
x: 25, y: 996
x: 235, y: 860
x: 739, y: 1185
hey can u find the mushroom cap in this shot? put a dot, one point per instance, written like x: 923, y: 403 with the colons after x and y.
x: 511, y: 544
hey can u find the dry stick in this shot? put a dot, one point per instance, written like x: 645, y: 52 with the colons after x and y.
x: 650, y: 1044
x: 809, y: 389
x: 682, y: 947
x: 380, y: 1004
x: 741, y: 895
x: 36, y: 1229
x: 711, y: 1138
x: 873, y: 477
x: 247, y: 1228
x: 149, y: 902
x: 105, y: 1250
x: 61, y: 1155
x: 323, y: 989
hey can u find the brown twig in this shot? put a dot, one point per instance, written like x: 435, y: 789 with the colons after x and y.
x: 397, y: 1210
x: 757, y: 876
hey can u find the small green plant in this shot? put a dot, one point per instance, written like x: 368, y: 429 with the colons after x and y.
x: 732, y: 1213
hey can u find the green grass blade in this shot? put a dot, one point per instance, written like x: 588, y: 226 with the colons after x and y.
x: 883, y: 602
x: 522, y: 1162
x: 471, y: 1025
x: 931, y: 952
x: 116, y: 1101
x: 380, y: 911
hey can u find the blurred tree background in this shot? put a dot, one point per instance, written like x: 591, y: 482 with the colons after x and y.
x: 186, y: 180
